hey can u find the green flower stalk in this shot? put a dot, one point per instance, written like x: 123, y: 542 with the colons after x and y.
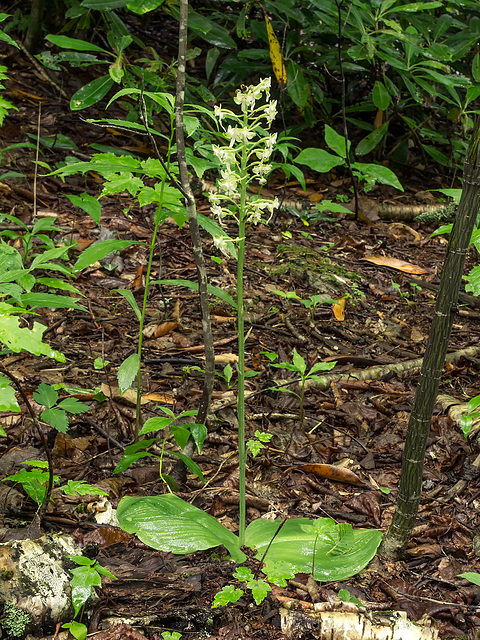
x: 246, y: 158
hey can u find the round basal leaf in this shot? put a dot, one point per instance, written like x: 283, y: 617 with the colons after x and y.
x: 167, y: 523
x: 339, y: 552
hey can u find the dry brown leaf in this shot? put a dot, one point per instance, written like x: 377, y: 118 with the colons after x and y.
x: 165, y: 328
x: 331, y: 472
x: 395, y: 263
x: 339, y: 309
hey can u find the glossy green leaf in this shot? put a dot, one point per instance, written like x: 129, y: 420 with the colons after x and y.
x: 336, y: 142
x: 127, y: 372
x: 143, y: 6
x: 379, y: 173
x: 167, y: 523
x: 91, y: 93
x: 471, y: 577
x: 74, y: 43
x: 98, y: 251
x: 89, y: 204
x: 24, y: 339
x: 297, y: 85
x: 339, y: 552
x: 381, y: 97
x: 8, y: 400
x: 50, y: 300
x: 130, y: 298
x: 367, y: 144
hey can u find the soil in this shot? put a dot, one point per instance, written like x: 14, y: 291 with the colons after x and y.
x: 358, y: 423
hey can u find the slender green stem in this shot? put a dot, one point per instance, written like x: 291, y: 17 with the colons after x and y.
x: 158, y: 220
x: 242, y: 452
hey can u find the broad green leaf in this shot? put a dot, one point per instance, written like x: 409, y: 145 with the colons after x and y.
x: 214, y: 229
x: 296, y: 542
x: 476, y: 67
x: 77, y: 629
x: 74, y: 43
x: 83, y: 581
x: 194, y: 285
x: 299, y: 362
x: 91, y: 93
x: 56, y: 283
x: 167, y: 523
x: 190, y: 464
x: 336, y: 142
x: 415, y: 7
x: 199, y: 433
x: 190, y: 124
x: 8, y: 400
x: 130, y: 298
x: 23, y: 339
x: 381, y: 97
x: 99, y: 250
x: 104, y: 5
x: 471, y: 577
x: 143, y: 6
x: 155, y: 424
x: 89, y: 204
x: 473, y: 282
x: 82, y: 488
x: 180, y: 434
x: 132, y: 454
x: 127, y: 372
x: 297, y: 86
x: 334, y: 207
x: 50, y: 300
x: 437, y: 155
x: 369, y: 143
x: 379, y: 173
x: 318, y: 160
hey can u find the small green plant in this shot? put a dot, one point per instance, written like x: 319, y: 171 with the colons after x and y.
x: 255, y: 445
x: 55, y: 412
x: 299, y: 366
x: 85, y: 577
x: 277, y: 573
x: 167, y: 522
x: 346, y: 596
x: 408, y: 296
x: 181, y: 434
x: 36, y: 480
x: 323, y: 162
x: 171, y: 635
x: 309, y: 303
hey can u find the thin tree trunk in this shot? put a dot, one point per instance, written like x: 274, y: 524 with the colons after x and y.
x: 399, y: 533
x: 192, y: 218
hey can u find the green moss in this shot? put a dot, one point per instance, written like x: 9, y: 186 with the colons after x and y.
x: 14, y: 621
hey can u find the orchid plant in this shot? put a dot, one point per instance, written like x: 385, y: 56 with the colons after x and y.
x: 245, y: 158
x: 168, y: 523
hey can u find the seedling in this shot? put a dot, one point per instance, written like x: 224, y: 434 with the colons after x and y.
x: 257, y: 444
x: 467, y: 420
x: 299, y: 366
x: 277, y: 573
x: 85, y: 577
x: 181, y: 435
x: 35, y: 482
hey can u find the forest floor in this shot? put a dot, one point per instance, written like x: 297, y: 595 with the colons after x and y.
x: 357, y: 424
